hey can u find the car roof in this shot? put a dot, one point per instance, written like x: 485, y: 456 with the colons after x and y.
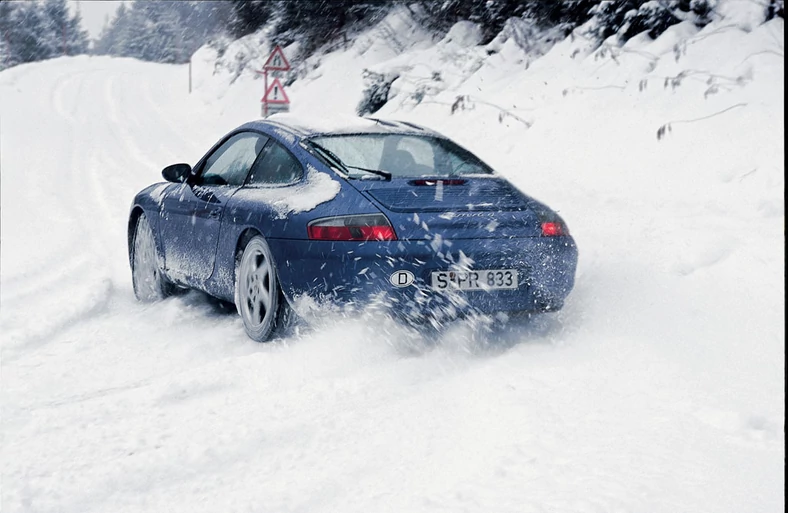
x: 303, y: 127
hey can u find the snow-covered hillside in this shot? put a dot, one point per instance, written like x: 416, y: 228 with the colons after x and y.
x: 659, y: 387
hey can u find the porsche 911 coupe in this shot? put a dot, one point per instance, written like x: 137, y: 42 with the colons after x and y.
x: 347, y: 213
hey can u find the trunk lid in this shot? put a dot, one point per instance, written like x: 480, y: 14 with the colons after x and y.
x: 454, y: 208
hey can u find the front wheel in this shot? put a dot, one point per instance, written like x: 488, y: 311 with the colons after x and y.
x: 149, y: 283
x: 258, y: 296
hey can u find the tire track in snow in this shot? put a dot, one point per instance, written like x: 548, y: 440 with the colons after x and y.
x: 29, y: 282
x: 98, y: 179
x: 118, y: 126
x: 80, y: 288
x: 56, y: 98
x: 28, y: 337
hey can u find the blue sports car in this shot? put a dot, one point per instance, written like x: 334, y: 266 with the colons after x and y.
x: 349, y: 213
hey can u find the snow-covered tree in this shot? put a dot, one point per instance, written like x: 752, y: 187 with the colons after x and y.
x: 32, y: 31
x: 626, y: 18
x: 6, y: 55
x: 248, y: 16
x: 64, y: 35
x: 776, y: 8
x: 28, y: 33
x: 113, y: 33
x: 162, y: 31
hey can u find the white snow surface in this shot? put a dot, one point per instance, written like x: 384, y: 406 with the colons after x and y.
x: 658, y: 388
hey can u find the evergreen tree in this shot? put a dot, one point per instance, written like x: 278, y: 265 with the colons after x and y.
x: 64, y: 35
x: 776, y: 8
x: 7, y: 57
x: 627, y: 18
x: 32, y: 31
x: 170, y: 31
x: 315, y: 23
x: 115, y: 36
x: 55, y: 16
x: 162, y: 31
x: 248, y: 16
x: 78, y: 41
x: 566, y: 14
x: 29, y: 33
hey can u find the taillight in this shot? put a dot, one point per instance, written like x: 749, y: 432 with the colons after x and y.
x: 360, y: 228
x: 554, y: 229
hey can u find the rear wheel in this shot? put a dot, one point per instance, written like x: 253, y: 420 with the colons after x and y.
x: 258, y: 297
x: 149, y: 283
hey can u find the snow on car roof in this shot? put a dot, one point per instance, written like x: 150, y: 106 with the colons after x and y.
x: 306, y: 126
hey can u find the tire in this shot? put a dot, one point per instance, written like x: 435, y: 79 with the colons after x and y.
x: 146, y: 276
x: 258, y: 296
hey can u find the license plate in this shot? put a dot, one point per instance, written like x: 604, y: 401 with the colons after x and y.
x: 490, y: 279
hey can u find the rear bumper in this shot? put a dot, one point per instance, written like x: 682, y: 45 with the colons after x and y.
x: 352, y: 273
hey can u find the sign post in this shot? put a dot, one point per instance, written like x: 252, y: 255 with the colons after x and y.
x: 275, y: 99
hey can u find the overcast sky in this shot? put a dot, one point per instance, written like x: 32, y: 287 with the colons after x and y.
x: 94, y: 13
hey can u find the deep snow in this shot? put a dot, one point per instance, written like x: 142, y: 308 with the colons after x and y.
x: 659, y: 387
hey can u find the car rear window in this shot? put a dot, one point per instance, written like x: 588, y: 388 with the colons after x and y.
x: 403, y: 155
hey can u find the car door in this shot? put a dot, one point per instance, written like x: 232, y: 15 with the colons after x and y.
x: 191, y: 213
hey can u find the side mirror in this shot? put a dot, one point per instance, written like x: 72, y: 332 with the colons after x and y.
x: 177, y: 173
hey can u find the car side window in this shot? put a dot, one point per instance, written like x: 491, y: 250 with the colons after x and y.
x: 230, y: 163
x: 276, y: 166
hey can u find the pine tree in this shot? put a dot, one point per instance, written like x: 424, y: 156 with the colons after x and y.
x: 55, y: 17
x: 627, y: 18
x: 566, y: 14
x: 29, y: 33
x: 7, y: 58
x: 248, y: 16
x: 32, y: 31
x: 776, y: 8
x: 162, y: 31
x: 315, y: 23
x: 78, y: 41
x: 64, y: 35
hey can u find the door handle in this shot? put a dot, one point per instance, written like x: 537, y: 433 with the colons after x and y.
x: 215, y: 213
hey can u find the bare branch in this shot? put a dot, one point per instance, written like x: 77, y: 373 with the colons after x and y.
x: 668, y: 127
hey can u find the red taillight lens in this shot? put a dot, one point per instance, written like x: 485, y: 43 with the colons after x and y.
x: 352, y: 228
x: 553, y: 229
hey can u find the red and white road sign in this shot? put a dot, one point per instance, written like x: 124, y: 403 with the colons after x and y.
x: 275, y: 94
x: 275, y: 98
x: 276, y: 61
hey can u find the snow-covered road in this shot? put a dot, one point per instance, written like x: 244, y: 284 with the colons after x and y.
x: 659, y: 388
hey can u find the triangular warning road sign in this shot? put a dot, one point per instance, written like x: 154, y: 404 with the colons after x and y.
x: 276, y: 61
x: 275, y: 93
